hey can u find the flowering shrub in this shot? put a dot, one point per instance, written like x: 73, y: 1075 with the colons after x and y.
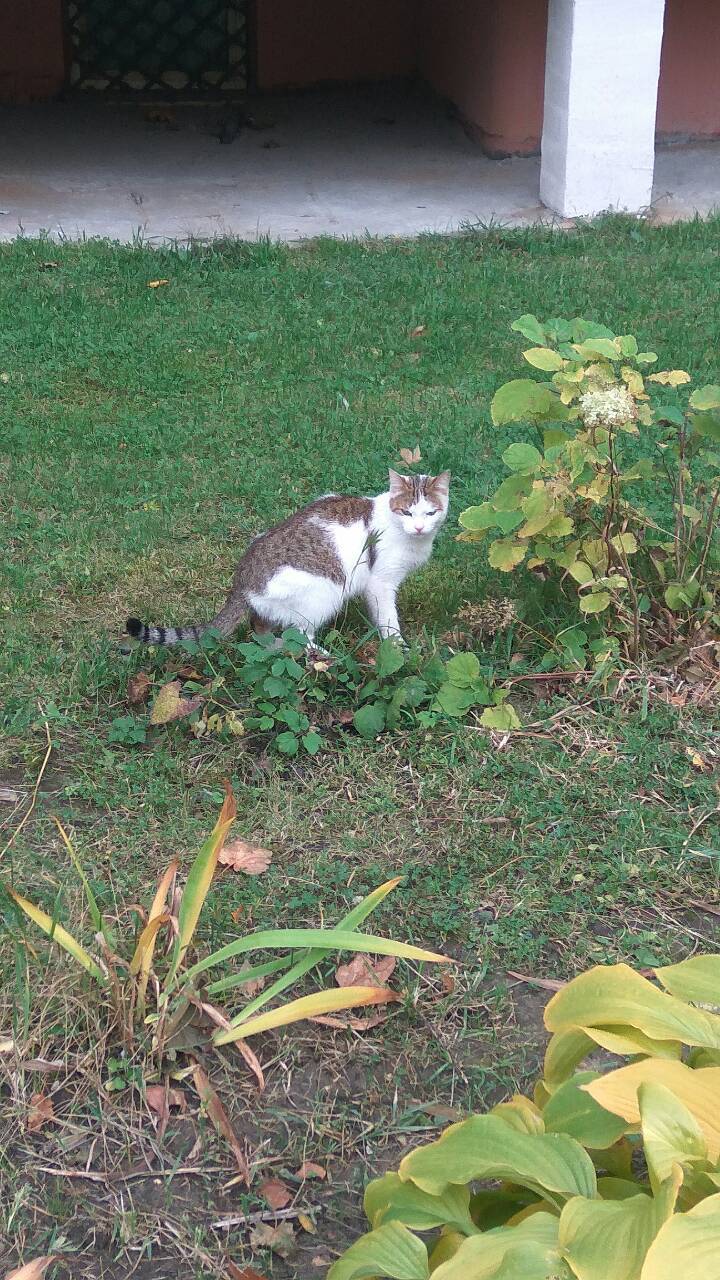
x: 574, y: 504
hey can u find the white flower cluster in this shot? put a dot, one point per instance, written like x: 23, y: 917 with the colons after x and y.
x: 611, y: 407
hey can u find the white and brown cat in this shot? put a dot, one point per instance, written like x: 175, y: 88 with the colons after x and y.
x: 302, y: 571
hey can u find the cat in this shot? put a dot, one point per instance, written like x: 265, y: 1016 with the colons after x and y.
x: 302, y: 571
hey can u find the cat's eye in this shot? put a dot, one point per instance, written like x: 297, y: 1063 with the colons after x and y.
x: 406, y: 511
x: 431, y: 513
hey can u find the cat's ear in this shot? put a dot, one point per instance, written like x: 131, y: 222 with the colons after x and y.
x: 398, y: 483
x: 440, y: 484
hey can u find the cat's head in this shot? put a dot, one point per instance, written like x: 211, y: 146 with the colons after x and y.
x: 419, y: 503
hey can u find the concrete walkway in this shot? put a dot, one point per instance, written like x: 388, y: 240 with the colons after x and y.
x: 380, y: 160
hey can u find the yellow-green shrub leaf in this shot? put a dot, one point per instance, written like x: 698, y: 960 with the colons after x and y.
x: 696, y: 979
x: 505, y: 554
x: 522, y: 457
x: 581, y: 572
x: 594, y: 603
x: 529, y: 326
x: 671, y: 1134
x: 670, y: 377
x: 392, y: 1250
x: 706, y: 397
x: 626, y: 543
x: 503, y: 718
x: 595, y: 551
x: 389, y: 1199
x: 538, y: 509
x: 509, y: 495
x: 544, y: 358
x: 552, y: 1165
x: 559, y: 527
x: 573, y: 1111
x: 615, y: 994
x: 528, y: 1251
x: 608, y: 1239
x: 57, y: 934
x: 698, y: 1090
x: 687, y: 1247
x: 520, y: 399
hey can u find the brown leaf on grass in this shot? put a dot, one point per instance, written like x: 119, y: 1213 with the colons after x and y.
x: 157, y: 284
x: 547, y: 984
x: 7, y: 1044
x: 366, y: 971
x: 309, y: 1170
x: 447, y: 983
x: 275, y: 1193
x: 138, y: 690
x: 251, y: 1060
x: 246, y: 857
x: 162, y: 1100
x: 242, y: 1273
x: 280, y: 1239
x: 418, y: 330
x: 697, y: 761
x: 40, y: 1112
x: 411, y: 456
x: 9, y: 795
x: 307, y: 1224
x: 32, y: 1270
x: 170, y: 706
x: 220, y: 1119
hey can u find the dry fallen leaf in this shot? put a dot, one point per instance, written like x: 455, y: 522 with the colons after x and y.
x: 307, y: 1224
x: 253, y: 985
x: 547, y: 984
x: 696, y: 760
x: 280, y: 1239
x: 242, y: 856
x: 138, y: 690
x: 242, y: 1273
x: 447, y: 983
x: 411, y: 455
x: 418, y: 330
x: 157, y: 284
x: 170, y: 706
x: 40, y: 1112
x: 7, y: 1044
x: 309, y: 1170
x: 275, y: 1193
x: 8, y: 795
x: 366, y: 971
x: 220, y: 1119
x: 161, y: 1100
x: 32, y: 1270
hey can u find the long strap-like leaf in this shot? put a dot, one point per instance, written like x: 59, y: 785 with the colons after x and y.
x: 58, y: 934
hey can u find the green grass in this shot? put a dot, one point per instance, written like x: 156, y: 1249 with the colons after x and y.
x: 146, y: 434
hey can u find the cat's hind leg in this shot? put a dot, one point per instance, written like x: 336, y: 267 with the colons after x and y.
x: 296, y: 598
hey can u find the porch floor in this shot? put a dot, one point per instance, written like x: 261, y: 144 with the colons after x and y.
x: 378, y: 160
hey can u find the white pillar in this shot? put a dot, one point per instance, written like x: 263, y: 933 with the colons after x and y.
x: 601, y: 77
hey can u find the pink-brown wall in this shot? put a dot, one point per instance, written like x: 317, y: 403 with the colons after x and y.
x: 488, y: 57
x: 689, y: 90
x: 32, y: 49
x: 304, y: 42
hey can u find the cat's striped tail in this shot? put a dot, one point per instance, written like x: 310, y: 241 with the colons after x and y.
x: 226, y: 621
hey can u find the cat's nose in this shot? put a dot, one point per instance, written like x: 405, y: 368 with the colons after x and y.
x: 419, y: 526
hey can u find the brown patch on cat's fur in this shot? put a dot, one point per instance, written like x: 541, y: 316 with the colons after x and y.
x: 300, y: 542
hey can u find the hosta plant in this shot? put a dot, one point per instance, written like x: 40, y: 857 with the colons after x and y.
x: 155, y: 985
x: 609, y: 433
x: 610, y: 1172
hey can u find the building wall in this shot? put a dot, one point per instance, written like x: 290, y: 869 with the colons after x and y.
x: 488, y: 57
x: 32, y: 49
x: 689, y: 90
x: 305, y: 42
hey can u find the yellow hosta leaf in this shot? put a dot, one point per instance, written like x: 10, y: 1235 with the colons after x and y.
x: 389, y: 1199
x: 687, y: 1247
x: 521, y: 1113
x: 57, y: 934
x: 628, y: 1041
x: 563, y: 1054
x: 553, y: 1165
x: 313, y: 1006
x: 609, y: 995
x: 608, y: 1239
x: 528, y: 1251
x: 446, y: 1247
x: 698, y: 1090
x: 670, y: 377
x: 696, y: 979
x: 671, y: 1134
x: 392, y: 1250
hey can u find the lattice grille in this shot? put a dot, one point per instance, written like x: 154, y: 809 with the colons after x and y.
x: 158, y: 44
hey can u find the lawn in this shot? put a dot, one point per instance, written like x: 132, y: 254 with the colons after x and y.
x: 146, y: 433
